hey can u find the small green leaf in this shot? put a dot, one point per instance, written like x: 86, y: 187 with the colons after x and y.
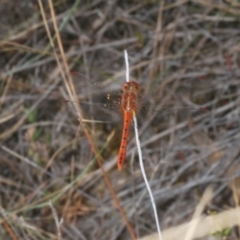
x: 32, y: 116
x: 37, y: 134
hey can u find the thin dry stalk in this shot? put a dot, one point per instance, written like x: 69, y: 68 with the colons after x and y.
x: 207, y: 195
x: 72, y: 93
x: 57, y: 222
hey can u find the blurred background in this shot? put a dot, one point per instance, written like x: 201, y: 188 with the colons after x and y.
x: 185, y: 56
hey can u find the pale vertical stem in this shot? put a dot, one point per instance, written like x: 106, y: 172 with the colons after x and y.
x: 207, y: 195
x: 145, y: 177
x: 127, y: 65
x: 57, y: 222
x: 140, y: 156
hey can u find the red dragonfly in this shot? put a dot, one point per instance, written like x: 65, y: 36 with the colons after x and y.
x: 127, y: 101
x: 129, y: 107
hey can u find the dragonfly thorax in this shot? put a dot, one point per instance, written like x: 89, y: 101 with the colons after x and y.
x: 129, y: 96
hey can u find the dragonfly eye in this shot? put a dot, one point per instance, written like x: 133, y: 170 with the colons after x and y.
x: 135, y: 85
x: 125, y: 87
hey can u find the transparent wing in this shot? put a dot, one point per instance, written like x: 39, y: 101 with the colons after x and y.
x: 97, y: 102
x: 180, y: 101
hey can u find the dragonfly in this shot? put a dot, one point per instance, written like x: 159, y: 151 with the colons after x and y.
x: 125, y: 101
x: 130, y: 94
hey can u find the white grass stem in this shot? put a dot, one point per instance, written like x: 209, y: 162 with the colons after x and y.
x: 127, y: 65
x: 145, y: 177
x: 140, y: 156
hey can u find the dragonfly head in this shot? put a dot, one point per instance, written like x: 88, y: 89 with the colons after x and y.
x: 131, y: 86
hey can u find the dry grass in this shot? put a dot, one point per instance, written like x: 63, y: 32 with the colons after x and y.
x: 185, y: 56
